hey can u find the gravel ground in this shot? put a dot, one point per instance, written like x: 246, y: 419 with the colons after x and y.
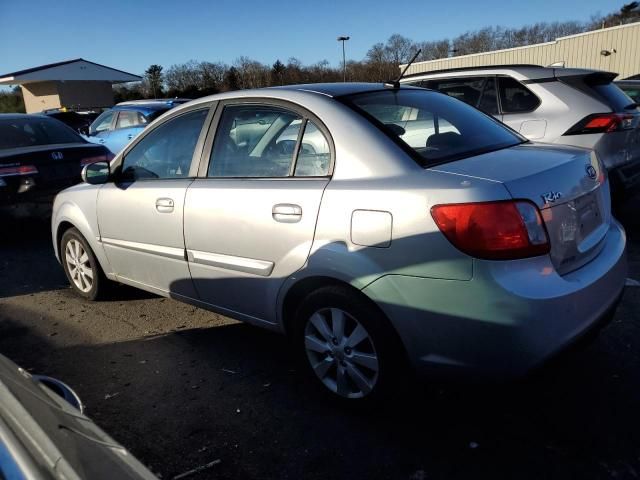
x: 181, y: 387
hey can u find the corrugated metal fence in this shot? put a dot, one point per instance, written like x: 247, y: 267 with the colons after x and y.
x: 583, y: 50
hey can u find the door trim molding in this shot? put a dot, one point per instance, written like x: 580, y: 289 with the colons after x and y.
x: 230, y: 262
x: 168, y: 252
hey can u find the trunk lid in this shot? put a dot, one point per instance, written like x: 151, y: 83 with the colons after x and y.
x: 568, y: 186
x: 58, y: 165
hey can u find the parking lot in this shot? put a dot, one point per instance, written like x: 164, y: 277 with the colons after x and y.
x: 182, y: 387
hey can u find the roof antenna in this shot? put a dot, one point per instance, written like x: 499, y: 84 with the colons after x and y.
x: 396, y: 82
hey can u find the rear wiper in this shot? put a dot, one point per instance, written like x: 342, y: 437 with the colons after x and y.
x: 396, y: 82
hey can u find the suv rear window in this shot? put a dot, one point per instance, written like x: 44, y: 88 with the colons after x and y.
x: 432, y: 127
x: 600, y: 86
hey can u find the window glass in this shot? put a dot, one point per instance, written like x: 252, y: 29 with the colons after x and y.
x: 515, y: 97
x: 165, y: 152
x: 28, y: 131
x: 314, y: 155
x: 102, y: 123
x: 437, y: 128
x: 254, y: 141
x: 141, y: 118
x: 489, y: 100
x: 466, y: 89
x: 127, y: 119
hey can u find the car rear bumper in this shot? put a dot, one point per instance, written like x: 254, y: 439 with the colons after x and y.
x: 509, y: 318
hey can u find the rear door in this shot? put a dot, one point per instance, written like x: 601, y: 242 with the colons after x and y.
x: 140, y: 215
x: 250, y: 218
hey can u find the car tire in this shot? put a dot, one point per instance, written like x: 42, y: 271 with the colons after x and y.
x: 347, y: 344
x: 81, y: 266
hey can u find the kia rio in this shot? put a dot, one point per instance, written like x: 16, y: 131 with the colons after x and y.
x: 386, y: 230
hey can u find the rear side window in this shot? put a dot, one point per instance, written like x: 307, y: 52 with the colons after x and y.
x: 432, y: 127
x: 515, y: 97
x: 166, y: 152
x: 477, y: 91
x: 254, y: 141
x: 128, y: 119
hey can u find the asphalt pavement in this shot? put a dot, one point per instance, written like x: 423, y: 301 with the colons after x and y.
x: 182, y: 387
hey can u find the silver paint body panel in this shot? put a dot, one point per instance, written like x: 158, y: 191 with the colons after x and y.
x: 241, y: 254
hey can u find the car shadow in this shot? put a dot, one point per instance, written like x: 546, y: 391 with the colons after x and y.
x: 235, y: 393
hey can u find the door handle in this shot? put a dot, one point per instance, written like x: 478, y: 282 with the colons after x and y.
x: 130, y: 136
x: 102, y: 140
x: 164, y: 205
x: 286, y: 213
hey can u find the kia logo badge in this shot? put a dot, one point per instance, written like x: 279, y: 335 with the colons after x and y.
x: 57, y: 155
x: 591, y: 171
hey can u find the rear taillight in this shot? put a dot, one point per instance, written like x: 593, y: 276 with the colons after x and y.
x: 503, y: 230
x: 18, y: 170
x: 605, y: 123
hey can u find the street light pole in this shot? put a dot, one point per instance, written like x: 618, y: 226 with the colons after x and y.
x: 344, y: 60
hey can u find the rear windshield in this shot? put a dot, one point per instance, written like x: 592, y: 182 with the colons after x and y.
x: 32, y: 131
x: 153, y: 115
x: 616, y: 98
x: 433, y: 127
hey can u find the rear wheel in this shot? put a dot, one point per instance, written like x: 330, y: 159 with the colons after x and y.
x: 81, y: 266
x: 348, y: 345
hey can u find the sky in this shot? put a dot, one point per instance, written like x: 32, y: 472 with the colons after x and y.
x: 130, y: 35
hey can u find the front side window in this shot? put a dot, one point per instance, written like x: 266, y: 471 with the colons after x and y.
x: 437, y: 129
x: 515, y: 97
x: 467, y: 89
x: 166, y: 152
x: 102, y: 123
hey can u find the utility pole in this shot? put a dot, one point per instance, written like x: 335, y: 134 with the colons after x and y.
x: 344, y: 59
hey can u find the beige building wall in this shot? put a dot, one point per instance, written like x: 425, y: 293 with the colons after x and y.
x: 578, y: 51
x: 41, y: 96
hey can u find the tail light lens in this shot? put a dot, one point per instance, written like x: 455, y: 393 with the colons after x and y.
x: 604, y: 123
x: 18, y: 170
x: 503, y: 230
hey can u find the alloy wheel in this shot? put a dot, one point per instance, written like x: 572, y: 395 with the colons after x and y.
x: 78, y: 265
x: 341, y: 353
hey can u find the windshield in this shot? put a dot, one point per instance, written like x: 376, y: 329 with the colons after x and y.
x: 433, y: 127
x: 32, y: 131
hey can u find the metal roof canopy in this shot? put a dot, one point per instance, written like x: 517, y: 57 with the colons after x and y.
x: 78, y: 69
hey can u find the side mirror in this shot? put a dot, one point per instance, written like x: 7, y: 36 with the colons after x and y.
x: 95, y: 173
x: 84, y: 130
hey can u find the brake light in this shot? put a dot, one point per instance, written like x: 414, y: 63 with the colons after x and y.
x: 604, y: 123
x: 503, y: 230
x: 18, y: 170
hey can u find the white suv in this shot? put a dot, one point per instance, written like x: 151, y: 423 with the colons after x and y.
x: 555, y: 105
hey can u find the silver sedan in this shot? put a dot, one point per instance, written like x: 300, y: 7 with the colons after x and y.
x: 387, y: 230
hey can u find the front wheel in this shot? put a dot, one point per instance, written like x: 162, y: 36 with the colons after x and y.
x: 81, y: 266
x: 348, y: 344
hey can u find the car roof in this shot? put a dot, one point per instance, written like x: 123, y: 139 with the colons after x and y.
x: 330, y: 90
x: 529, y: 71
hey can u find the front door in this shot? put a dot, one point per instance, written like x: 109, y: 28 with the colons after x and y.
x: 141, y: 214
x: 250, y: 223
